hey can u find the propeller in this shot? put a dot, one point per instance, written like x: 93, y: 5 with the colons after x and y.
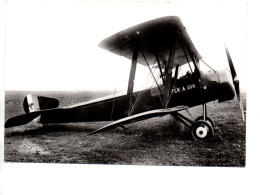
x: 235, y: 82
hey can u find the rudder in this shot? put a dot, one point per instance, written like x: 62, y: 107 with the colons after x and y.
x: 34, y: 103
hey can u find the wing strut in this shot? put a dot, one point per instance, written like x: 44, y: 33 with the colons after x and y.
x: 131, y: 81
x: 168, y: 73
x: 193, y: 60
x: 183, y: 49
x: 158, y: 61
x: 190, y: 53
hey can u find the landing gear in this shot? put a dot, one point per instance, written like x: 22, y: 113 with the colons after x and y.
x: 203, y: 127
x: 202, y: 130
x: 208, y: 120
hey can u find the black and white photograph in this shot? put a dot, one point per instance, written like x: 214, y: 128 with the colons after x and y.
x: 126, y: 83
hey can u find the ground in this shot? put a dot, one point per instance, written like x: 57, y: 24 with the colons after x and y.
x: 156, y: 141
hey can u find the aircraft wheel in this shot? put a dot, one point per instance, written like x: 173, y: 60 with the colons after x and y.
x: 207, y: 119
x: 202, y: 130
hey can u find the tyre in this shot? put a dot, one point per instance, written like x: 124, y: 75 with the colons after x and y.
x: 207, y: 119
x: 202, y: 130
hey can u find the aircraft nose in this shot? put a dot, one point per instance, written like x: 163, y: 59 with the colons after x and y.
x: 227, y: 89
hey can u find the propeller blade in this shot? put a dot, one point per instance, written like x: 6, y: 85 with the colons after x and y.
x: 231, y: 65
x: 240, y: 100
x: 242, y: 109
x: 235, y: 82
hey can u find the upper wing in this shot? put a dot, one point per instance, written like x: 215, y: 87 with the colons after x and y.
x: 140, y: 116
x: 154, y: 38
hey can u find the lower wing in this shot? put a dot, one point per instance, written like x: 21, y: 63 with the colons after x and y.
x: 139, y: 117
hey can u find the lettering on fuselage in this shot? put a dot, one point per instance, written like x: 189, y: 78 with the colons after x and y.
x: 183, y: 88
x: 187, y: 87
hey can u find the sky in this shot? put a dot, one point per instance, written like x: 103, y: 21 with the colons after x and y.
x: 53, y: 45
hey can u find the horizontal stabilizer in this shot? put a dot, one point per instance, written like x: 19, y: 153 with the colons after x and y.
x: 33, y: 107
x: 140, y: 116
x: 28, y: 117
x: 21, y: 119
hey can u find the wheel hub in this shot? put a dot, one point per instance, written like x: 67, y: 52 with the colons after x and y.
x: 202, y: 131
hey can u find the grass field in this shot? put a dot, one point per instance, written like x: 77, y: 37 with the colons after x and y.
x: 156, y: 141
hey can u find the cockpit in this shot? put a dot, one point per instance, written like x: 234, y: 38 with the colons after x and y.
x: 183, y: 75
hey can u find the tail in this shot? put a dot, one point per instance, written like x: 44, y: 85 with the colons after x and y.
x: 34, y: 107
x: 32, y: 103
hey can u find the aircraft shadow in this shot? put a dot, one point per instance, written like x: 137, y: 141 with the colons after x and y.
x: 50, y: 129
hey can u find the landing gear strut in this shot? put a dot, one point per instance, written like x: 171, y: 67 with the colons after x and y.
x: 203, y: 127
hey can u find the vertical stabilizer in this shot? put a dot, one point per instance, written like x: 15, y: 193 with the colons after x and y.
x: 31, y: 104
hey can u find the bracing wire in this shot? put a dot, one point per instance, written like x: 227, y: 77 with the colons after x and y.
x: 113, y: 105
x: 158, y: 77
x: 152, y: 75
x: 64, y: 104
x: 46, y: 104
x: 208, y: 65
x: 147, y: 81
x: 140, y: 93
x: 189, y: 114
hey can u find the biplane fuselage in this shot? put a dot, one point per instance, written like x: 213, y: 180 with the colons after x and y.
x: 192, y: 92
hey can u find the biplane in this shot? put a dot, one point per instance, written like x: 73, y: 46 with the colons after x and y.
x: 163, y: 46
